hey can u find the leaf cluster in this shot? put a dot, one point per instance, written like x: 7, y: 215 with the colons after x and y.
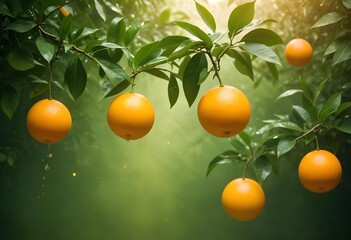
x: 304, y: 124
x: 38, y: 43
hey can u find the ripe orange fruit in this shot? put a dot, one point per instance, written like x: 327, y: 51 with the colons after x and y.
x: 130, y: 116
x: 224, y: 111
x: 320, y: 171
x: 64, y: 11
x: 298, y: 52
x: 48, y: 121
x: 243, y: 199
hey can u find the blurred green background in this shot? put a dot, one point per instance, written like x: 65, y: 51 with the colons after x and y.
x: 155, y: 187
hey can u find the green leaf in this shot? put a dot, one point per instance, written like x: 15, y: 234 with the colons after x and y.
x: 116, y: 30
x: 108, y: 89
x: 285, y: 145
x: 155, y: 62
x: 256, y: 23
x: 345, y: 126
x: 182, y: 67
x: 332, y: 48
x: 263, y: 36
x: 196, y: 31
x: 319, y: 90
x: 9, y: 100
x: 184, y: 48
x: 21, y: 60
x: 75, y: 78
x: 262, y: 51
x: 330, y: 106
x: 157, y: 73
x: 263, y: 168
x: 288, y: 93
x: 215, y: 37
x: 342, y: 53
x: 239, y: 145
x: 347, y: 3
x: 113, y: 71
x: 206, y: 16
x: 21, y: 26
x: 165, y: 16
x: 301, y: 115
x: 286, y: 125
x: 245, y: 137
x: 307, y: 92
x: 147, y: 53
x: 240, y: 17
x: 173, y: 90
x: 173, y: 40
x: 328, y: 19
x: 66, y: 26
x: 46, y: 48
x: 224, y: 158
x: 192, y: 75
x: 342, y: 108
x: 100, y: 10
x: 273, y: 70
x: 131, y: 33
x: 242, y: 62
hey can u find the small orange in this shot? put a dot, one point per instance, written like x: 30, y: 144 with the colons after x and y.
x: 243, y: 199
x: 48, y: 121
x: 64, y: 11
x: 298, y: 52
x: 130, y: 116
x: 224, y: 111
x: 320, y: 171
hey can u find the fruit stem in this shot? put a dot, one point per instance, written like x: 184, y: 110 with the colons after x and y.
x: 317, y: 143
x: 245, y: 167
x: 50, y: 82
x: 132, y: 83
x: 314, y: 129
x: 216, y: 67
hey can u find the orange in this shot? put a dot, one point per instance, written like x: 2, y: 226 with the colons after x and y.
x: 320, y: 171
x: 130, y: 116
x: 63, y: 11
x: 224, y: 111
x: 298, y: 52
x: 48, y: 121
x: 243, y: 199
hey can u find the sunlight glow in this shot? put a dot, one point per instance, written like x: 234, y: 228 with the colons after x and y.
x: 212, y: 2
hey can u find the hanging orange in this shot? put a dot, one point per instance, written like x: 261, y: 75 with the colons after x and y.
x: 224, y: 111
x: 243, y: 199
x: 130, y: 116
x: 320, y: 171
x: 49, y: 121
x: 298, y: 52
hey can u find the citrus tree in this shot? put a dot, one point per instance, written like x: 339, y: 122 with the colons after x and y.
x: 45, y: 50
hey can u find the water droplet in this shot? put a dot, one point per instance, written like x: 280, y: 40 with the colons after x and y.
x: 47, y: 167
x: 44, y: 177
x: 74, y: 174
x: 49, y: 155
